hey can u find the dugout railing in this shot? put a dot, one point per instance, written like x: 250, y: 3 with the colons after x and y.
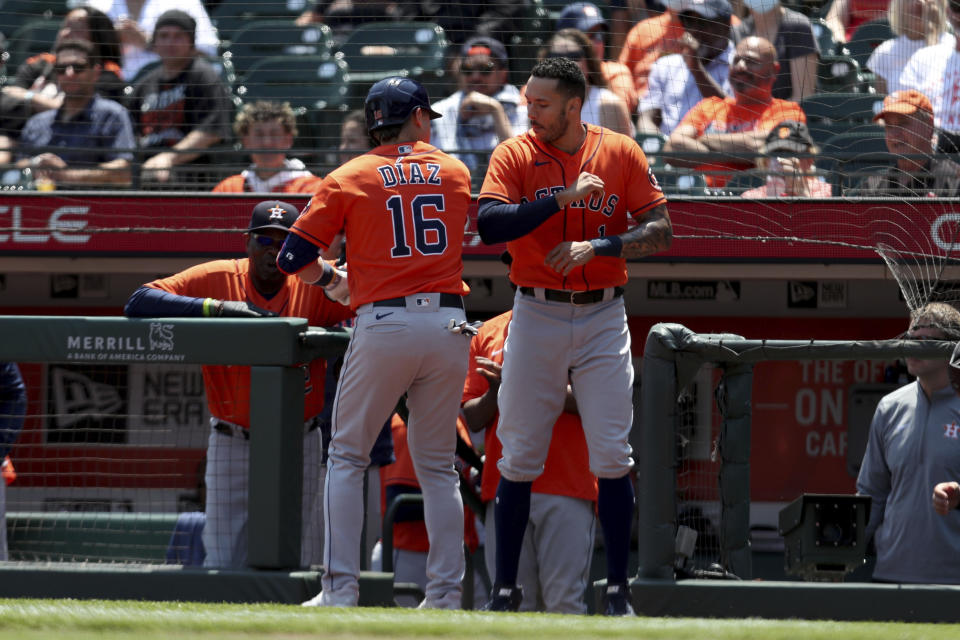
x: 673, y: 355
x: 274, y: 348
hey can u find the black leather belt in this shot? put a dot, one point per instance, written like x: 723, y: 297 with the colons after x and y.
x: 237, y: 430
x: 573, y: 297
x: 446, y: 300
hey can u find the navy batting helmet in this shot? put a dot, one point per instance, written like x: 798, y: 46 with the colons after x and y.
x: 581, y: 15
x: 391, y: 101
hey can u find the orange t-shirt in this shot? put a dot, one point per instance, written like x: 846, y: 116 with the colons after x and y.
x: 412, y: 536
x: 620, y: 81
x: 725, y: 115
x: 238, y: 184
x: 228, y: 387
x: 403, y: 208
x: 524, y: 169
x: 646, y: 42
x: 567, y: 469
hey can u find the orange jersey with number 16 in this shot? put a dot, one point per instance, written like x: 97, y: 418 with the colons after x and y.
x: 525, y: 168
x: 403, y: 209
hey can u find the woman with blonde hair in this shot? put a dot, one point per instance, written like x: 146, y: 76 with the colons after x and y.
x: 917, y: 24
x: 602, y: 107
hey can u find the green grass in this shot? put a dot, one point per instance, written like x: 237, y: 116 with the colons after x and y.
x: 111, y: 620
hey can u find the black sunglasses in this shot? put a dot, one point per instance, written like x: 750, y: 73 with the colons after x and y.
x: 78, y: 67
x: 267, y: 241
x: 484, y: 69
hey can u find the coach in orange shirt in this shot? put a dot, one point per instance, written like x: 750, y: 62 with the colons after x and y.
x: 729, y: 131
x: 249, y: 287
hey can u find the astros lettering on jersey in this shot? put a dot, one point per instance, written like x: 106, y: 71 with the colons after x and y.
x: 524, y: 168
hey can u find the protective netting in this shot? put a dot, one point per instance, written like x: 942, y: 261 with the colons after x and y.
x: 321, y: 57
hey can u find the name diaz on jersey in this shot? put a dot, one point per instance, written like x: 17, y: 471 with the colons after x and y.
x: 401, y: 173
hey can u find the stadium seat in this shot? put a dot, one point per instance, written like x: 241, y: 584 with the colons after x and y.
x: 682, y: 182
x: 16, y: 13
x: 842, y: 107
x: 867, y: 37
x: 317, y: 87
x: 840, y: 73
x: 652, y: 145
x: 264, y: 38
x: 536, y: 25
x: 852, y: 156
x: 376, y: 50
x: 825, y: 40
x: 32, y: 38
x: 822, y: 131
x: 231, y: 16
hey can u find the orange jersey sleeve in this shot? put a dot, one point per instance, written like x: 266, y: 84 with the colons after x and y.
x: 228, y: 387
x: 567, y: 469
x: 403, y: 209
x: 524, y: 169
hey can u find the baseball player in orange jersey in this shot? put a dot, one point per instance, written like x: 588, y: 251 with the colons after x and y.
x: 403, y: 206
x: 560, y: 195
x: 246, y: 288
x: 558, y: 542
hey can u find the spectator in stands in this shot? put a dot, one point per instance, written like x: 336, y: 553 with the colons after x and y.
x: 354, y: 140
x: 648, y: 41
x: 788, y: 158
x: 935, y: 72
x: 485, y: 110
x: 679, y: 81
x: 844, y: 16
x: 251, y: 287
x: 13, y: 408
x: 181, y: 108
x: 917, y: 24
x: 907, y: 118
x: 602, y: 106
x: 35, y: 88
x: 946, y: 497
x: 792, y: 36
x: 913, y: 444
x: 587, y: 17
x: 723, y: 134
x: 88, y: 140
x: 136, y: 21
x: 266, y: 130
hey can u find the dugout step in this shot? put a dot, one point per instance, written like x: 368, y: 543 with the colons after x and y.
x: 175, y: 583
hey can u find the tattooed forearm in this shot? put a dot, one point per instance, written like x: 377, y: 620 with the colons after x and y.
x: 652, y: 235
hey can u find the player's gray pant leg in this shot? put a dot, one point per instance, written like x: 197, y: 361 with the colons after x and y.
x: 533, y: 384
x: 560, y: 538
x: 311, y: 542
x: 434, y: 403
x: 557, y: 550
x: 386, y: 358
x: 602, y: 380
x: 225, y: 530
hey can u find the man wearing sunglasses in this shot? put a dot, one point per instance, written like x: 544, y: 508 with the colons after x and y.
x: 485, y: 110
x: 250, y: 287
x: 89, y: 140
x: 914, y: 443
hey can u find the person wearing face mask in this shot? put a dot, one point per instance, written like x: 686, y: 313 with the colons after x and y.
x: 678, y: 82
x: 721, y: 135
x: 917, y: 24
x: 792, y: 36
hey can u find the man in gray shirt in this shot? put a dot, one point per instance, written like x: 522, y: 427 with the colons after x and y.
x: 914, y: 443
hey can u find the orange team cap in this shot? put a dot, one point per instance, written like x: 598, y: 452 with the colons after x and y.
x: 905, y: 102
